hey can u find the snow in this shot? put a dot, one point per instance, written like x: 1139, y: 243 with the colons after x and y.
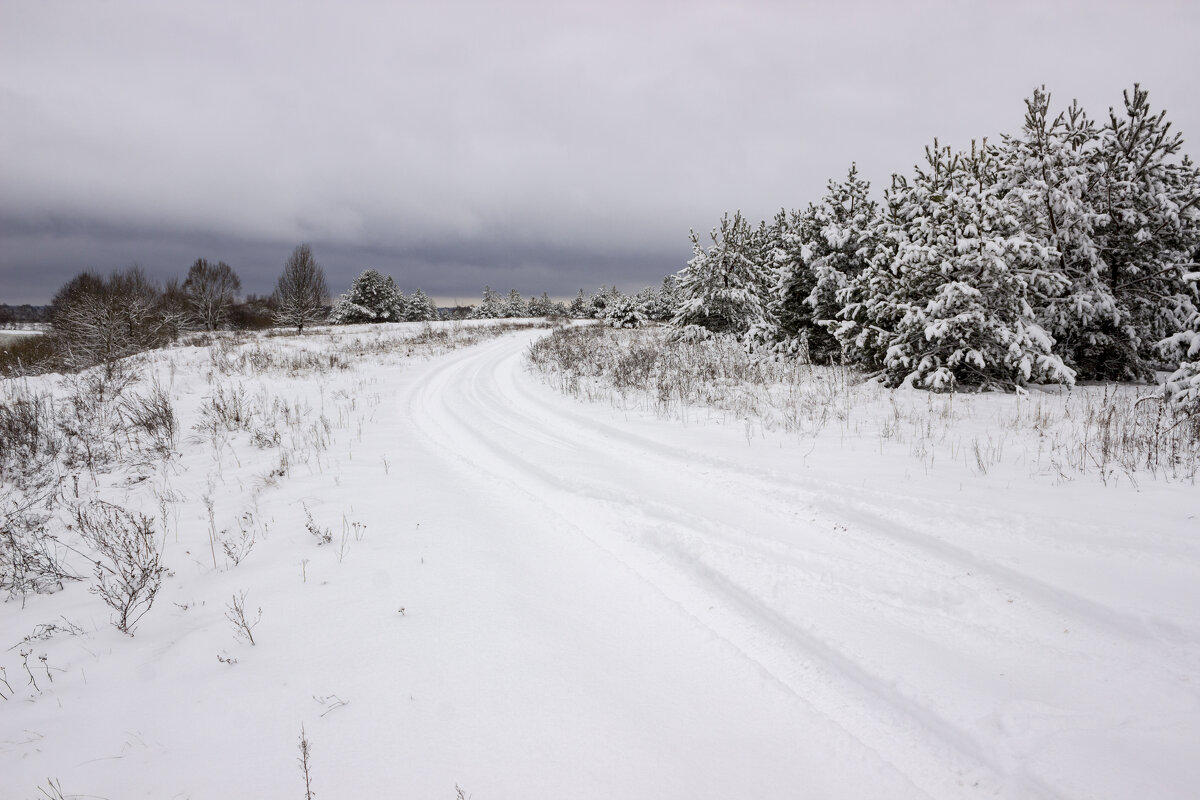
x: 554, y: 598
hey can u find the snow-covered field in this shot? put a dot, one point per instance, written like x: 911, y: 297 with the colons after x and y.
x: 8, y: 335
x: 526, y: 595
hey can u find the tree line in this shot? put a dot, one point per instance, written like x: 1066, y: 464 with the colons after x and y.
x: 25, y: 314
x: 96, y: 319
x: 1064, y: 252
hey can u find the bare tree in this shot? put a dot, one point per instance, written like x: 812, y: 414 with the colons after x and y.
x: 301, y: 292
x: 174, y: 307
x: 211, y: 290
x: 97, y: 321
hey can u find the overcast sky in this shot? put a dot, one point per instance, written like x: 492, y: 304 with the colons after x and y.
x: 542, y: 146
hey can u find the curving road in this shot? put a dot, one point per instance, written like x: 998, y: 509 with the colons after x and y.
x: 915, y: 640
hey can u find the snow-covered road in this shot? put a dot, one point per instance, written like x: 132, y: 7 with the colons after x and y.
x: 535, y: 597
x: 823, y: 633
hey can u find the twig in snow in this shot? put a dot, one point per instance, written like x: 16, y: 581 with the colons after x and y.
x: 331, y: 703
x: 305, y: 752
x: 235, y: 612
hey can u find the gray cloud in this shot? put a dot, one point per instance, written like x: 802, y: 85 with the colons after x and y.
x: 542, y: 146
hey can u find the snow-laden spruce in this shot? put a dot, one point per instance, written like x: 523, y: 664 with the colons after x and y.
x: 543, y: 306
x: 514, y: 306
x: 1063, y: 253
x: 722, y: 288
x: 373, y: 297
x: 1122, y: 214
x: 1151, y: 229
x: 822, y: 249
x: 489, y: 306
x: 659, y: 304
x: 419, y: 308
x: 624, y: 312
x: 954, y: 305
x: 1048, y: 175
x: 1182, y: 388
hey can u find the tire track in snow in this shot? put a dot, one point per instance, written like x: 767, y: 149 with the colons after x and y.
x: 877, y: 515
x: 1114, y: 653
x: 461, y: 410
x: 875, y: 526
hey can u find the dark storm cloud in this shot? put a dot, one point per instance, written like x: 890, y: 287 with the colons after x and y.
x: 542, y: 146
x: 453, y: 270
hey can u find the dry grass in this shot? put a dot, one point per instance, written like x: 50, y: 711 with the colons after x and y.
x: 1109, y: 431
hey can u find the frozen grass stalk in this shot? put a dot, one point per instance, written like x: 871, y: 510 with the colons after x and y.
x: 305, y: 754
x: 243, y: 625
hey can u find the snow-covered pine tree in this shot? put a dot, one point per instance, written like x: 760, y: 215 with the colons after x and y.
x: 792, y: 282
x: 987, y: 318
x: 662, y: 304
x: 541, y: 306
x: 373, y: 297
x: 419, y: 308
x: 720, y: 289
x: 926, y: 244
x: 869, y: 315
x: 403, y: 307
x: 964, y: 275
x: 579, y: 308
x: 763, y: 249
x: 653, y: 305
x: 1151, y: 225
x: 1182, y: 388
x: 1048, y: 172
x: 848, y: 221
x: 645, y: 300
x: 623, y: 311
x: 514, y: 306
x: 599, y: 301
x: 824, y: 248
x: 489, y: 307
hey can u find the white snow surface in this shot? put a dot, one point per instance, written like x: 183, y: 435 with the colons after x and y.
x: 556, y: 599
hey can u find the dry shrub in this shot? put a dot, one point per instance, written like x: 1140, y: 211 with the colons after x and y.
x: 31, y: 560
x: 668, y: 374
x: 28, y: 431
x: 226, y: 410
x: 128, y: 567
x: 1105, y: 431
x: 151, y: 417
x: 90, y: 419
x: 26, y: 355
x: 1116, y: 430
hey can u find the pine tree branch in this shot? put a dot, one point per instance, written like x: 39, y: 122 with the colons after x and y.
x: 1182, y: 208
x: 1152, y: 275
